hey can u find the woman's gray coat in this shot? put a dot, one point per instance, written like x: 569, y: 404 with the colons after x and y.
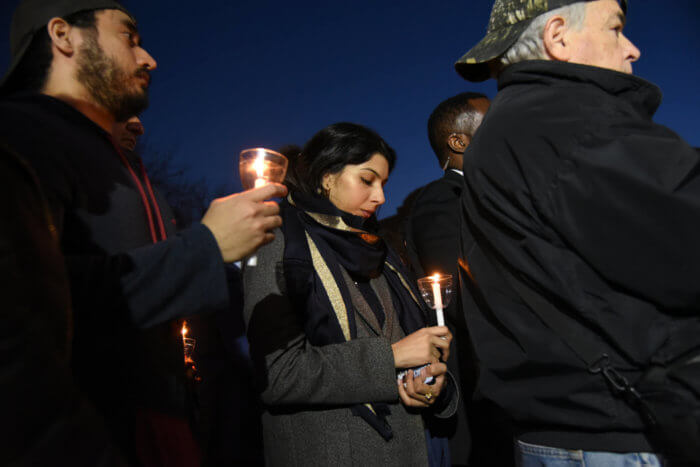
x: 307, y: 391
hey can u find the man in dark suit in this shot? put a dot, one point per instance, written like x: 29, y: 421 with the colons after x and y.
x: 432, y: 237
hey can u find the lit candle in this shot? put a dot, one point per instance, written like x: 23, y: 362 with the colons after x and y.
x: 437, y: 297
x: 259, y: 166
x: 187, y: 343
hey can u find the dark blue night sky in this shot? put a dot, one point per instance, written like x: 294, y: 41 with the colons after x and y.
x: 239, y: 74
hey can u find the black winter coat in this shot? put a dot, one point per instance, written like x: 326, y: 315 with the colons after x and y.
x: 597, y: 208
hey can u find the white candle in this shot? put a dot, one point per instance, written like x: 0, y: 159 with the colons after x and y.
x: 437, y: 297
x: 259, y: 166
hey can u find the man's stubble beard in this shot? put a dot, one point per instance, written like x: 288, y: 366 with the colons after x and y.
x: 108, y: 83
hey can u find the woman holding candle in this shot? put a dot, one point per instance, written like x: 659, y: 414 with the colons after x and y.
x: 332, y: 318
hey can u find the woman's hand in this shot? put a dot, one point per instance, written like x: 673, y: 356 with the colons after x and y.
x: 427, y: 345
x: 415, y: 393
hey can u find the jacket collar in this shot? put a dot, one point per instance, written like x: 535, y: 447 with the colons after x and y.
x: 644, y: 96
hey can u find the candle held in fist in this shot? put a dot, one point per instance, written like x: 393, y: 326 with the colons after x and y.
x: 437, y: 297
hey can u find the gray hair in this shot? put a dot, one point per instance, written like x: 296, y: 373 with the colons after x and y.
x: 530, y: 44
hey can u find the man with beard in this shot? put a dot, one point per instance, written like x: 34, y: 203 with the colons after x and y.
x: 585, y: 214
x: 77, y: 67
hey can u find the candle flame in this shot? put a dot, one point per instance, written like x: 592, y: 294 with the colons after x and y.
x: 259, y: 164
x: 184, y: 329
x: 435, y: 277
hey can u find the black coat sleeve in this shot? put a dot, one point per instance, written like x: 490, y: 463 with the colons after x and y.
x: 178, y: 277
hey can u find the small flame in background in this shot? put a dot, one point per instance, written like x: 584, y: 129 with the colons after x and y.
x: 184, y: 331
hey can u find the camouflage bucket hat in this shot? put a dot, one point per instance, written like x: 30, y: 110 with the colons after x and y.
x: 32, y: 15
x: 509, y: 18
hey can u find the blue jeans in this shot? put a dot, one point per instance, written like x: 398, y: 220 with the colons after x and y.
x: 438, y: 450
x: 532, y: 455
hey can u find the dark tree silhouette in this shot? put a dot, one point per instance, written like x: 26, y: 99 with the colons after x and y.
x: 189, y: 198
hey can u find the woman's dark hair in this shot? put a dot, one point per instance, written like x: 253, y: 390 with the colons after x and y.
x: 330, y: 150
x: 33, y: 71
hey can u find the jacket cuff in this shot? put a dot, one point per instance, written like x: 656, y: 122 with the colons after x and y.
x: 447, y: 403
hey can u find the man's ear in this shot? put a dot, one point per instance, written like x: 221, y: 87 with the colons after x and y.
x: 458, y: 142
x: 60, y: 33
x: 555, y: 39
